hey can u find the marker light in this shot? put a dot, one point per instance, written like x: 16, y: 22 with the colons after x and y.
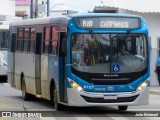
x: 143, y: 85
x: 75, y: 86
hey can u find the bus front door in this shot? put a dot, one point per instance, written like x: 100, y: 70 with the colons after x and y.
x: 62, y: 72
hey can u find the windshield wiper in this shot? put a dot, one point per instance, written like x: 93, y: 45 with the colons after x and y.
x: 97, y: 41
x: 127, y: 34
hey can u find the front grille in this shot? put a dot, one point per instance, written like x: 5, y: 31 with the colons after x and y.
x: 101, y: 100
x: 110, y: 81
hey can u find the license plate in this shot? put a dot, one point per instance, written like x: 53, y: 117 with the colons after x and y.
x: 110, y: 97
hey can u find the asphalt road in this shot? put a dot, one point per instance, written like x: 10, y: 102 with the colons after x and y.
x: 11, y: 100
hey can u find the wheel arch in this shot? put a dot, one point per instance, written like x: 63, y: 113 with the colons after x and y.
x: 22, y: 76
x: 52, y: 86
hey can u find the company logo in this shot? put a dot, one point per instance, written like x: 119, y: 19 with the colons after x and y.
x: 110, y: 88
x: 131, y: 87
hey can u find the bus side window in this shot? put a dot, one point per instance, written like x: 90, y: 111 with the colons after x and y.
x: 3, y: 39
x: 12, y: 41
x: 54, y: 41
x: 32, y: 40
x: 26, y: 40
x: 20, y: 40
x: 46, y: 39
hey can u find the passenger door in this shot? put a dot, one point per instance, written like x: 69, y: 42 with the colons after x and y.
x: 62, y: 68
x: 11, y: 58
x: 38, y: 63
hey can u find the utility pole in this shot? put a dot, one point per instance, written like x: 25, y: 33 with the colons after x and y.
x: 36, y: 8
x: 31, y: 9
x: 48, y: 2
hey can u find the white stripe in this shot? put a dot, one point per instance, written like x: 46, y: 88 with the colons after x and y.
x: 49, y: 110
x: 47, y: 118
x: 147, y: 109
x: 152, y: 118
x: 83, y: 118
x: 117, y: 117
x: 6, y: 84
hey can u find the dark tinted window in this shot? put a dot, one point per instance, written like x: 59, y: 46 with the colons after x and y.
x: 3, y: 39
x: 47, y: 37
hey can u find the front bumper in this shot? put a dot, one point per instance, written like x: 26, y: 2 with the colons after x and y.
x: 97, y: 99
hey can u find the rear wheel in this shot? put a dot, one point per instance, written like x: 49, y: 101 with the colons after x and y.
x: 122, y: 107
x: 25, y: 95
x: 54, y: 100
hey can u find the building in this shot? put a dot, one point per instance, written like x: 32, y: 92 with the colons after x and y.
x: 7, y: 15
x: 148, y: 9
x: 22, y: 8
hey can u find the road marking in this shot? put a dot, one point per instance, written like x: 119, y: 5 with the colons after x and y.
x: 152, y: 118
x: 47, y: 118
x: 147, y: 109
x: 117, y: 117
x: 83, y: 118
x: 6, y: 84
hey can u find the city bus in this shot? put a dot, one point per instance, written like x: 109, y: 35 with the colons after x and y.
x: 4, y: 29
x: 75, y: 60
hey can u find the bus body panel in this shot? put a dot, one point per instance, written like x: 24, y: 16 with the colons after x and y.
x: 10, y: 69
x: 44, y: 76
x: 53, y: 72
x: 28, y: 72
x: 89, y: 87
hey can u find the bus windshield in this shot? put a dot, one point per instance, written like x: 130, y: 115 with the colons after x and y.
x: 109, y: 53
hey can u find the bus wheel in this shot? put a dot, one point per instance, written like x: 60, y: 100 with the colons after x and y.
x: 25, y: 95
x: 122, y: 107
x: 54, y: 100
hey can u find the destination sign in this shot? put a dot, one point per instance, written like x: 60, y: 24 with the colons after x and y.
x: 109, y: 22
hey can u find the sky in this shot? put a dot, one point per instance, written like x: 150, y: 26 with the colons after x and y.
x: 77, y: 5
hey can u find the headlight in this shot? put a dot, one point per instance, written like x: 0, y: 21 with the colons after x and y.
x: 75, y: 86
x: 143, y: 85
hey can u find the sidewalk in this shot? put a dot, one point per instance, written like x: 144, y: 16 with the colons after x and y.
x: 155, y: 90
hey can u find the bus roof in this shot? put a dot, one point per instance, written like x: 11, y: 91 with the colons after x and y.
x: 103, y: 14
x: 37, y: 21
x: 64, y: 19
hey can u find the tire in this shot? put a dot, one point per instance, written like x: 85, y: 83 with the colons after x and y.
x: 122, y: 107
x: 54, y: 100
x: 25, y: 95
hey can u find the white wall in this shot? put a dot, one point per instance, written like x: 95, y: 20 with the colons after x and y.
x: 7, y: 7
x: 153, y: 23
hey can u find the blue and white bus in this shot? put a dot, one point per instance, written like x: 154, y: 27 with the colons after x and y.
x: 77, y: 60
x: 4, y: 29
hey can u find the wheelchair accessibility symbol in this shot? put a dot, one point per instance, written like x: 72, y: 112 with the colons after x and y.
x: 115, y: 68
